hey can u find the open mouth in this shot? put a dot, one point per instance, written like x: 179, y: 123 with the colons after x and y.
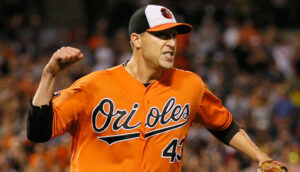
x: 169, y: 55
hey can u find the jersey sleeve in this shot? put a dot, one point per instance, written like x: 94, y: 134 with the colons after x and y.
x: 67, y: 106
x: 211, y: 113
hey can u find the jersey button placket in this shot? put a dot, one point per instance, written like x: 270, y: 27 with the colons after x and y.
x: 147, y: 104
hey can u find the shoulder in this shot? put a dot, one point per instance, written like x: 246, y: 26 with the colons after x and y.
x: 183, y: 80
x: 187, y: 76
x: 96, y: 77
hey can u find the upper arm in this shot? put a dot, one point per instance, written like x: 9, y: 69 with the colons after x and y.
x: 68, y: 105
x: 211, y: 113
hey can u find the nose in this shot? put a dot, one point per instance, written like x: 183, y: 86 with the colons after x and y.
x: 171, y: 42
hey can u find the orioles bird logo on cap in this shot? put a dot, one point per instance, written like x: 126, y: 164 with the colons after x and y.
x: 166, y: 13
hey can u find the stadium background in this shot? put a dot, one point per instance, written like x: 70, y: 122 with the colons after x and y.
x: 247, y: 51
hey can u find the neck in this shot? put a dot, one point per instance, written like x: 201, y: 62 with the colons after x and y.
x: 139, y: 69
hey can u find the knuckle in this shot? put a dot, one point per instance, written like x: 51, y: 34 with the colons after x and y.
x: 69, y: 56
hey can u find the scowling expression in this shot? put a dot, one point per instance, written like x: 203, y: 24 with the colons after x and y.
x: 159, y: 48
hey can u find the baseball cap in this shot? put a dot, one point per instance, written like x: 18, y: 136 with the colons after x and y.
x: 153, y: 18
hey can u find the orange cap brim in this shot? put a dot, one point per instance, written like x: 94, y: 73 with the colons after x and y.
x: 182, y: 28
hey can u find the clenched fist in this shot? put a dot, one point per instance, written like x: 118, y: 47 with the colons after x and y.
x: 61, y: 59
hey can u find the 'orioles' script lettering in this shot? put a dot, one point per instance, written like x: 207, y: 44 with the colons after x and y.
x: 113, y: 117
x: 169, y: 112
x: 110, y: 114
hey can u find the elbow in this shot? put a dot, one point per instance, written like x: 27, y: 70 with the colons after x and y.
x: 37, y: 133
x: 36, y: 139
x: 226, y: 135
x: 39, y: 123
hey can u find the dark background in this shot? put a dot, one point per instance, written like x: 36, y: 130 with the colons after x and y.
x: 246, y: 51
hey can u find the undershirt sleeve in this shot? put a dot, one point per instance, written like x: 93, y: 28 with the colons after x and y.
x: 226, y: 135
x: 39, y: 122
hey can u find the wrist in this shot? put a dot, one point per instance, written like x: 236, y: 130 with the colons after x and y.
x: 262, y: 158
x: 50, y: 73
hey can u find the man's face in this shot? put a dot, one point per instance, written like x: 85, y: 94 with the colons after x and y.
x: 159, y: 48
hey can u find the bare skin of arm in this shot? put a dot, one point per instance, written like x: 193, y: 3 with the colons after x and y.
x: 61, y: 59
x: 243, y: 143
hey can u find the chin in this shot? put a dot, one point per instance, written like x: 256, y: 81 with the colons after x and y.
x: 167, y: 66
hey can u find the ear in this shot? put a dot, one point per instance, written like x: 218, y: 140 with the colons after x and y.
x: 136, y: 40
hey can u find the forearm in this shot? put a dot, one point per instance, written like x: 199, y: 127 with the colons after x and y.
x: 40, y: 112
x: 243, y: 143
x: 45, y: 90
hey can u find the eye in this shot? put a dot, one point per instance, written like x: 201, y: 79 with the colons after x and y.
x: 165, y: 35
x: 161, y: 35
x: 174, y: 34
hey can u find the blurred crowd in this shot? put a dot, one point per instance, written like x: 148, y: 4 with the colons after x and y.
x: 248, y: 56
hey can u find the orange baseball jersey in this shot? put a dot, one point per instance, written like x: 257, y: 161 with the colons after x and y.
x: 118, y: 124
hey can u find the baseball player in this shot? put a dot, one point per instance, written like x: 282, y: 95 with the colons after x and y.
x: 134, y: 116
